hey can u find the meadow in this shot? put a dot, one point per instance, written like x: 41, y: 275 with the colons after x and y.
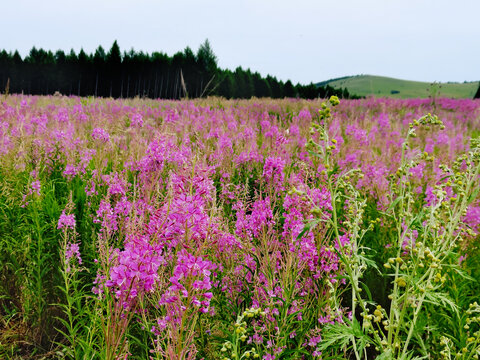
x: 223, y: 229
x: 382, y: 86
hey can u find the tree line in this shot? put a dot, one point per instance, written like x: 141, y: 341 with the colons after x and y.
x: 156, y: 75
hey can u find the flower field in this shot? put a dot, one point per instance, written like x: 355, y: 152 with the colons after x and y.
x: 221, y: 229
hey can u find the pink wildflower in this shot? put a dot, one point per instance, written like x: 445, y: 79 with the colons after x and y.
x: 100, y: 134
x: 66, y: 221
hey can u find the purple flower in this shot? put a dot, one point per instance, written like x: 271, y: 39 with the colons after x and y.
x: 273, y: 171
x: 35, y: 187
x: 259, y: 220
x: 72, y: 251
x: 136, y: 120
x: 314, y: 340
x: 135, y: 269
x: 70, y: 171
x: 193, y: 271
x: 100, y: 134
x: 66, y: 221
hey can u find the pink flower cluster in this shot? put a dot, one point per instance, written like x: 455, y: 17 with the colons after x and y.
x: 191, y: 281
x: 100, y: 134
x: 66, y: 221
x: 34, y: 189
x: 258, y: 221
x: 72, y: 251
x: 135, y: 269
x: 273, y: 171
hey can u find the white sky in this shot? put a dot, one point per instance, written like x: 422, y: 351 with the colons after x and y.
x: 301, y: 40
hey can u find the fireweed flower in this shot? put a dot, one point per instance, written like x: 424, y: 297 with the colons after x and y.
x: 273, y: 171
x: 192, y: 274
x: 35, y: 187
x: 85, y: 159
x: 116, y: 184
x: 183, y: 220
x: 136, y: 120
x: 66, y: 221
x: 135, y: 269
x: 106, y: 216
x: 72, y: 251
x: 100, y: 134
x: 260, y: 219
x: 70, y: 171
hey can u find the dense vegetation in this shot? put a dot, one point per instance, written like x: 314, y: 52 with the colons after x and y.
x: 156, y: 75
x: 217, y: 229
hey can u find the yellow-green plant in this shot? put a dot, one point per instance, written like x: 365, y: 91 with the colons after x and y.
x: 236, y: 348
x: 418, y: 270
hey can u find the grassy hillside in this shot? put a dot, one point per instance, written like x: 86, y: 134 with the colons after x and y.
x: 381, y: 86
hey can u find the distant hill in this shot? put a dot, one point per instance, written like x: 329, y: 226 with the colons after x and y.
x: 381, y: 86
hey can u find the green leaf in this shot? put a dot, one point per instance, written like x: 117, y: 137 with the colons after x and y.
x: 474, y: 194
x: 394, y: 203
x: 387, y: 355
x: 341, y: 336
x: 441, y: 299
x: 307, y: 228
x: 367, y: 290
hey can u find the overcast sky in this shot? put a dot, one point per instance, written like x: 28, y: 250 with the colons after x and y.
x: 301, y: 40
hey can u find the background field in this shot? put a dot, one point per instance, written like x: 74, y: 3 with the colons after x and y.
x: 381, y: 86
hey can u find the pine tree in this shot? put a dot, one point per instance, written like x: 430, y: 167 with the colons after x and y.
x: 132, y: 73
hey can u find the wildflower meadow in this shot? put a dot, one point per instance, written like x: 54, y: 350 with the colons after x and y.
x: 239, y: 229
